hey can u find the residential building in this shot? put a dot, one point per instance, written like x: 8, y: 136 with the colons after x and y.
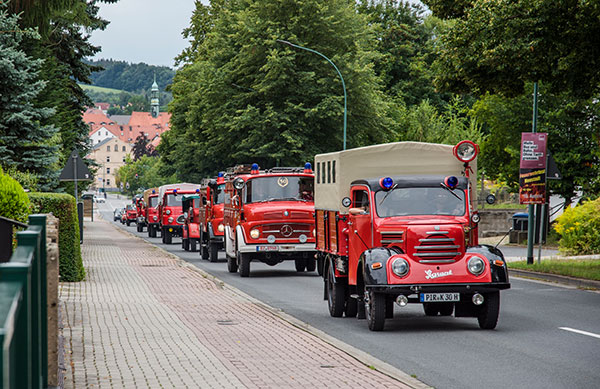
x: 110, y: 155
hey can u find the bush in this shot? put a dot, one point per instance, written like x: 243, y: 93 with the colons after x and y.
x: 64, y: 207
x: 579, y: 229
x: 14, y: 203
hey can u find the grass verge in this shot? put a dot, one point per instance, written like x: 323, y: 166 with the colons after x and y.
x: 581, y: 268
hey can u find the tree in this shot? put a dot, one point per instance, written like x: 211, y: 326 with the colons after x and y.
x: 142, y: 146
x: 248, y: 98
x: 25, y: 143
x: 142, y: 174
x: 499, y: 46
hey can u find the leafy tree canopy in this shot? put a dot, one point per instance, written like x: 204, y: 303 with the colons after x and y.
x: 499, y: 46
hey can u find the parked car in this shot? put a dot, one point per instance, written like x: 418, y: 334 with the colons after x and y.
x: 117, y: 214
x: 99, y: 199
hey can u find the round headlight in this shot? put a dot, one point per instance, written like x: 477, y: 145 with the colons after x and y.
x: 221, y: 228
x: 475, y: 218
x: 168, y: 212
x: 302, y: 238
x: 238, y: 183
x: 476, y: 266
x: 155, y: 217
x: 170, y: 219
x: 465, y: 151
x: 271, y: 238
x: 254, y: 234
x: 400, y: 267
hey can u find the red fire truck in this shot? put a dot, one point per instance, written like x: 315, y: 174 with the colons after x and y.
x: 130, y: 214
x: 211, y: 218
x: 190, y: 235
x: 169, y: 209
x: 140, y: 207
x: 269, y: 217
x: 398, y: 223
x: 151, y: 211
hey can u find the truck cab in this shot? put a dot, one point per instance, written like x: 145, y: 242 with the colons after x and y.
x: 170, y: 209
x: 403, y: 234
x: 141, y: 212
x: 190, y: 205
x: 269, y: 217
x: 212, y: 229
x: 151, y: 210
x: 130, y: 214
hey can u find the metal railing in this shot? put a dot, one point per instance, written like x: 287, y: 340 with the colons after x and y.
x: 23, y: 310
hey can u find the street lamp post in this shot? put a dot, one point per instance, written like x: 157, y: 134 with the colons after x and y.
x: 336, y: 69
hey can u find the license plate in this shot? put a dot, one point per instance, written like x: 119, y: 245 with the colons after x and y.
x: 439, y: 297
x: 267, y: 248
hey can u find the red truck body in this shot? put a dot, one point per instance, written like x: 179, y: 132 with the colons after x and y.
x: 190, y: 237
x: 130, y: 214
x: 212, y: 229
x: 404, y: 238
x: 141, y: 212
x: 151, y: 209
x: 269, y: 217
x: 170, y: 209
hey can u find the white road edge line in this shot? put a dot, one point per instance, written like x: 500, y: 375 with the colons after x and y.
x: 580, y: 332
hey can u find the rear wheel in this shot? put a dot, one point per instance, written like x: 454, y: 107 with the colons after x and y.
x: 213, y: 252
x: 300, y: 264
x: 128, y: 223
x: 168, y: 236
x: 204, y: 246
x: 430, y: 309
x: 336, y: 295
x: 150, y: 231
x: 140, y: 227
x: 311, y: 264
x: 193, y: 245
x: 446, y: 309
x: 351, y: 308
x: 185, y: 244
x: 375, y: 310
x: 488, y: 317
x: 320, y: 264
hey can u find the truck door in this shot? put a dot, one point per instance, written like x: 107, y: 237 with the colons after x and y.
x: 360, y: 235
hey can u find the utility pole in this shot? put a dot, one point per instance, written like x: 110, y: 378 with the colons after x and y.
x: 531, y: 207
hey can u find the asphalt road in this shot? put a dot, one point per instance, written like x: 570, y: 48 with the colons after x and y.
x: 548, y: 336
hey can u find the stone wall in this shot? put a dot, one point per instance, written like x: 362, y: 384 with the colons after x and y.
x: 495, y: 222
x: 52, y: 280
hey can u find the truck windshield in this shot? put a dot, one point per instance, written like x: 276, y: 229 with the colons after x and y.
x: 279, y: 188
x: 196, y: 203
x: 420, y: 201
x: 152, y: 201
x: 173, y: 200
x: 220, y: 194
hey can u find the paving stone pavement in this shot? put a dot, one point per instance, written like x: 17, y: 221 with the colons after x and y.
x: 144, y: 318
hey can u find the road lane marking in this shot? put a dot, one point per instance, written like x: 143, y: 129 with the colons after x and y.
x: 580, y: 332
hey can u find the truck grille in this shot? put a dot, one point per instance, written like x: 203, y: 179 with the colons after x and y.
x: 391, y: 237
x: 290, y: 231
x: 438, y: 247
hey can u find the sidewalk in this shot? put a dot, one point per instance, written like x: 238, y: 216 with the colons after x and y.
x: 144, y: 318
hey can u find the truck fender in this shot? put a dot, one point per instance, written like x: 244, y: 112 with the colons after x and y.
x: 375, y: 275
x: 499, y: 273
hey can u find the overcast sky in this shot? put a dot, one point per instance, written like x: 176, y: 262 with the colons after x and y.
x: 146, y: 31
x: 143, y: 30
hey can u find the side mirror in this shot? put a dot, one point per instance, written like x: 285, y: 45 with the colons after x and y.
x: 490, y: 199
x: 346, y: 202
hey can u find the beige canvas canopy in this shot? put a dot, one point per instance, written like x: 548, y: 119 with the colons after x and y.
x: 148, y: 192
x: 335, y: 171
x: 182, y: 186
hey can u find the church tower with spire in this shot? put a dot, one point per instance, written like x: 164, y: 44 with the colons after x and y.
x: 154, y: 104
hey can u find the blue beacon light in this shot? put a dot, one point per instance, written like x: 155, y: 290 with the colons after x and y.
x: 386, y: 183
x: 451, y: 182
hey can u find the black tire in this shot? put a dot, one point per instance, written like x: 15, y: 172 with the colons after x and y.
x: 139, y: 227
x: 150, y: 229
x: 232, y: 266
x: 351, y: 308
x: 185, y: 244
x: 193, y: 245
x: 375, y: 310
x: 488, y: 316
x: 300, y: 264
x: 213, y: 252
x: 168, y: 236
x: 320, y: 264
x: 128, y: 223
x: 244, y: 264
x: 336, y: 295
x: 389, y: 307
x: 311, y: 264
x: 162, y: 235
x: 204, y: 247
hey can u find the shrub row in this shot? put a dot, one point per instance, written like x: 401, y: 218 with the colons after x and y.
x: 14, y: 203
x: 64, y: 207
x: 579, y: 229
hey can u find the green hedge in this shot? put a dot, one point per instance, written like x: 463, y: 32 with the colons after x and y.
x: 579, y: 229
x: 14, y: 203
x: 63, y: 206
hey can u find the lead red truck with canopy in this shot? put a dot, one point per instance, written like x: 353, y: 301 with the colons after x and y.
x: 397, y: 223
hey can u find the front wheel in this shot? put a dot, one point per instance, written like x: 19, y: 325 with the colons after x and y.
x: 311, y: 264
x: 375, y: 310
x: 336, y: 295
x: 300, y: 264
x: 213, y: 252
x: 140, y: 227
x: 490, y: 310
x: 232, y: 266
x: 185, y: 244
x: 168, y: 236
x: 193, y: 245
x: 128, y: 223
x: 244, y: 264
x: 204, y: 246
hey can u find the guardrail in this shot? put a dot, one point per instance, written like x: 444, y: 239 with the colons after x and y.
x: 23, y: 310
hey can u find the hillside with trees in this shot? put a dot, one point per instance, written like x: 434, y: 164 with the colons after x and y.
x: 130, y: 77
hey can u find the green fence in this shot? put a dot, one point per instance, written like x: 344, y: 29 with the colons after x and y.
x: 23, y: 310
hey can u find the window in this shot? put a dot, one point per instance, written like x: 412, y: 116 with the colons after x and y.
x: 107, y: 170
x: 108, y: 158
x: 107, y: 148
x: 360, y: 199
x: 329, y: 172
x: 123, y: 159
x: 116, y: 148
x: 333, y: 172
x: 318, y: 171
x: 123, y: 149
x: 107, y: 181
x: 323, y: 173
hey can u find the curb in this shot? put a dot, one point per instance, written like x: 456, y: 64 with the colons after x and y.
x: 570, y: 281
x: 361, y: 356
